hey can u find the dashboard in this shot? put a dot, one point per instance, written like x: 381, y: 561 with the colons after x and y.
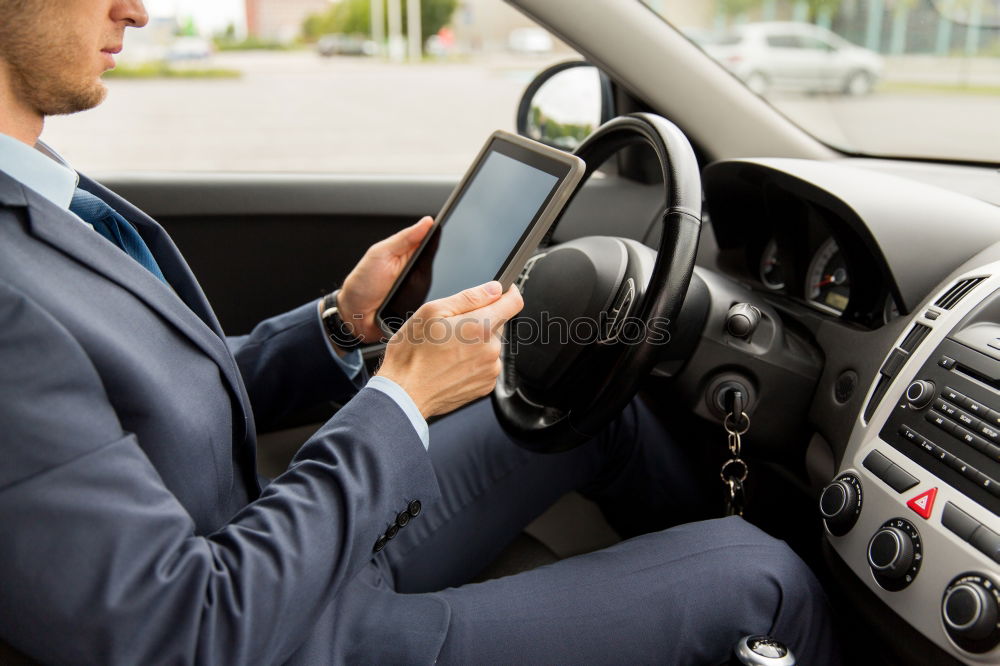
x: 897, y: 284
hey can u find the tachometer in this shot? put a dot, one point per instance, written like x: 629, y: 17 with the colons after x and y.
x: 828, y: 285
x: 772, y: 274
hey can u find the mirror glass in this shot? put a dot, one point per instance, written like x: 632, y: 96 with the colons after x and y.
x: 566, y: 108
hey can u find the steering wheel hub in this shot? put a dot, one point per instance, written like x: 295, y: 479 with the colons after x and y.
x: 568, y: 298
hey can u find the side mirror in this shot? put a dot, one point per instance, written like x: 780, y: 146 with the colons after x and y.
x: 564, y: 104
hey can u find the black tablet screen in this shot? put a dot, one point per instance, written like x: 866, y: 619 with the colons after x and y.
x: 474, y: 241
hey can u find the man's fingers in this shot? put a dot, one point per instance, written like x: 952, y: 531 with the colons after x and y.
x: 465, y: 301
x: 407, y: 240
x: 496, y: 314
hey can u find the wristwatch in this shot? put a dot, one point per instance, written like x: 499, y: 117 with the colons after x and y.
x: 341, y: 333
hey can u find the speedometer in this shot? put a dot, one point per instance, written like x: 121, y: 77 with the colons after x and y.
x: 828, y: 285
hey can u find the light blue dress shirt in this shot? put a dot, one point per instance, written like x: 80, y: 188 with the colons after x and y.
x: 48, y: 174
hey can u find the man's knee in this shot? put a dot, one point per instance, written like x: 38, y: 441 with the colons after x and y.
x: 755, y: 553
x: 764, y: 571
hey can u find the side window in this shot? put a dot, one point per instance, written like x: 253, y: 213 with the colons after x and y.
x: 816, y: 44
x: 784, y: 41
x: 309, y: 86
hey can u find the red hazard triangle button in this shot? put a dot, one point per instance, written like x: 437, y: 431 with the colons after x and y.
x: 923, y: 503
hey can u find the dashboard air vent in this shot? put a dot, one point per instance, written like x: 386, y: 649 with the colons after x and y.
x: 914, y: 337
x: 957, y: 293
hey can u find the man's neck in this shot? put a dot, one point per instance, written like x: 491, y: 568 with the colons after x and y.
x: 17, y: 120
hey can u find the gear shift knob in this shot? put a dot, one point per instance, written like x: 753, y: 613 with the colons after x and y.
x: 761, y: 651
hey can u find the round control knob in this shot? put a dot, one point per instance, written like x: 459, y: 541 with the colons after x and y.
x: 970, y: 609
x: 840, y: 505
x: 742, y: 320
x: 890, y: 552
x: 920, y: 393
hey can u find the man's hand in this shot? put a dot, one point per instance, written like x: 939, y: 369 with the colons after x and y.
x: 448, y: 352
x: 370, y: 281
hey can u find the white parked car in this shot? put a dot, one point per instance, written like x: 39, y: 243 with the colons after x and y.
x: 529, y: 40
x: 793, y: 56
x: 190, y: 48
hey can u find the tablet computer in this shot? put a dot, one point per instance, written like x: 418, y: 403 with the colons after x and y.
x: 489, y: 226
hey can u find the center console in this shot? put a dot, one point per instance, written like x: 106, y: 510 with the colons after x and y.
x: 914, y: 510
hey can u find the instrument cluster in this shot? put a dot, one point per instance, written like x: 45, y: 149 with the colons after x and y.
x: 828, y: 272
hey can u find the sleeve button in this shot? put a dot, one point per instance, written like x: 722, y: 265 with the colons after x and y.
x: 414, y: 508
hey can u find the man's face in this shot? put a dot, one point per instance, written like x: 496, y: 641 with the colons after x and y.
x: 56, y: 50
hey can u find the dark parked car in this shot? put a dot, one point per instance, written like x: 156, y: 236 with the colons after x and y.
x: 351, y: 45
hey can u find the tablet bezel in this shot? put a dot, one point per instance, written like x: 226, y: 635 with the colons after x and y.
x: 568, y: 168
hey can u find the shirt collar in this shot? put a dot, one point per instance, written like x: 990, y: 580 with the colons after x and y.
x: 40, y: 168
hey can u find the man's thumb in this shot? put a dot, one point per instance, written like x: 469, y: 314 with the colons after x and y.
x: 409, y: 238
x: 466, y: 301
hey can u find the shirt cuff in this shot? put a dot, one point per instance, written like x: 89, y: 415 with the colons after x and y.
x: 351, y: 362
x: 405, y: 402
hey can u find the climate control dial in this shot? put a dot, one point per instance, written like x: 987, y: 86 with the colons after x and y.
x: 895, y: 553
x: 840, y: 504
x: 970, y: 609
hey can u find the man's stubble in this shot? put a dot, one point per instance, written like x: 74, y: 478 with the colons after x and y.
x: 43, y: 68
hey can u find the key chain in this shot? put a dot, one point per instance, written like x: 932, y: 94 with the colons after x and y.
x: 734, y: 471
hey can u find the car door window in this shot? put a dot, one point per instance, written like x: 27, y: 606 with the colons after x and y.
x: 784, y: 42
x: 307, y: 91
x: 814, y: 44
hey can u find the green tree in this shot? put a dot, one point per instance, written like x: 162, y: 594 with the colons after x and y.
x: 818, y: 8
x: 738, y: 7
x: 348, y: 17
x: 434, y: 15
x: 354, y: 17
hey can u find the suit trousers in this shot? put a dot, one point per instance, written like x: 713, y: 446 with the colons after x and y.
x: 683, y: 595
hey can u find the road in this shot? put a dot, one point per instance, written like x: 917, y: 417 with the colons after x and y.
x: 296, y: 112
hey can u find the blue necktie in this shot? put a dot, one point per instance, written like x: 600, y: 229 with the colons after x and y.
x: 107, y: 222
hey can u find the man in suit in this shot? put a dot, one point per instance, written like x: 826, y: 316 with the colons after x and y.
x: 135, y: 530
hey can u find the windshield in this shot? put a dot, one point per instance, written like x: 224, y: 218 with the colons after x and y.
x: 907, y: 78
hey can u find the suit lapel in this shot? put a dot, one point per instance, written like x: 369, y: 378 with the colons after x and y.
x: 167, y: 256
x: 193, y: 317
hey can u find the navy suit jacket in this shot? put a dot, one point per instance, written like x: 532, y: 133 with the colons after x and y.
x: 134, y: 529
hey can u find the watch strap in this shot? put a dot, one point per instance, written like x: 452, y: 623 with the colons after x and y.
x: 341, y: 333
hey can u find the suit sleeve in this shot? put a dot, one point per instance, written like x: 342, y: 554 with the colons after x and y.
x: 100, y: 563
x: 286, y: 365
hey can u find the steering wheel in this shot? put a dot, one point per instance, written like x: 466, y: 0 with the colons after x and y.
x: 598, y: 310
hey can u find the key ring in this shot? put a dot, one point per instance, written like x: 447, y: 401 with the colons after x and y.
x: 731, y: 428
x: 733, y: 461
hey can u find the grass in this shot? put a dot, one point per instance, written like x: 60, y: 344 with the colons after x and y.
x: 162, y: 70
x: 938, y: 88
x: 253, y: 44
